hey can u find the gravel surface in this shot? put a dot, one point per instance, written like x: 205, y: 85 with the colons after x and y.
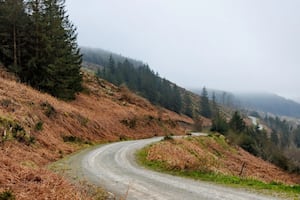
x: 113, y: 167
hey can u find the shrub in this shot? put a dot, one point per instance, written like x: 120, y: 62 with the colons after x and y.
x: 5, y: 102
x: 14, y: 131
x: 74, y: 139
x: 48, y: 109
x: 131, y: 123
x: 168, y: 137
x: 7, y: 195
x: 39, y: 126
x: 123, y: 138
x: 82, y: 120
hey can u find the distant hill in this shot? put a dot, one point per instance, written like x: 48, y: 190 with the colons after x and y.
x: 140, y: 78
x: 270, y: 103
x: 100, y: 57
x: 263, y: 102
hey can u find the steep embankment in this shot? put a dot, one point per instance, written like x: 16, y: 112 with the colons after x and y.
x: 213, y: 154
x: 37, y: 129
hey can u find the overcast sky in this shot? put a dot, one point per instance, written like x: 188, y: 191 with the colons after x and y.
x: 234, y: 45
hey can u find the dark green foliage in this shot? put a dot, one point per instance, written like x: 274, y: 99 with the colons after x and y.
x: 74, y: 139
x: 297, y: 136
x: 131, y: 123
x: 188, y: 109
x: 39, y: 126
x: 215, y: 109
x: 204, y: 104
x: 283, y: 130
x: 252, y: 140
x: 274, y: 137
x: 5, y: 102
x: 7, y: 195
x: 257, y: 143
x: 82, y: 120
x: 168, y: 137
x: 237, y: 123
x: 15, y: 131
x: 219, y: 124
x: 143, y: 81
x: 38, y: 43
x: 13, y: 27
x: 123, y: 138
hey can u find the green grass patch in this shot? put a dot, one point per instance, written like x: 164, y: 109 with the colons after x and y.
x: 273, y: 188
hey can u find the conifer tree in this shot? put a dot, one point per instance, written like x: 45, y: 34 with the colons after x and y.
x: 204, y: 104
x: 13, y: 24
x: 219, y: 124
x: 237, y: 123
x: 188, y: 110
x: 38, y: 43
x: 55, y: 63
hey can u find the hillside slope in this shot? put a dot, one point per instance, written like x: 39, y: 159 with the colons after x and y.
x: 37, y: 129
x: 213, y: 154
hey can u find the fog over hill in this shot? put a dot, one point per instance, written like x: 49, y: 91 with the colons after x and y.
x: 263, y: 102
x: 101, y: 56
x: 270, y: 103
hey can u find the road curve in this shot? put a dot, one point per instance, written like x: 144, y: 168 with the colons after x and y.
x: 113, y: 166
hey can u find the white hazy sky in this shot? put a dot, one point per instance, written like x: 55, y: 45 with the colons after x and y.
x: 234, y: 45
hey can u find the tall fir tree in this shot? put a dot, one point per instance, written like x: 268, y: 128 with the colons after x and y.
x: 204, y: 104
x: 188, y: 109
x: 237, y: 123
x: 38, y: 43
x: 13, y: 24
x: 55, y: 63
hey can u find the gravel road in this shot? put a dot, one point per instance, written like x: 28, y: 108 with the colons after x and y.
x: 113, y: 166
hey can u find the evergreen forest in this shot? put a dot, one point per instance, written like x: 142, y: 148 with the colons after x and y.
x: 39, y: 44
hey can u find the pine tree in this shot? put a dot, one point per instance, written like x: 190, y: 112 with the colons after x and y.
x: 38, y: 43
x: 237, y: 123
x: 215, y: 109
x: 56, y: 60
x: 219, y: 124
x: 176, y: 100
x: 204, y: 104
x: 188, y: 110
x: 13, y: 24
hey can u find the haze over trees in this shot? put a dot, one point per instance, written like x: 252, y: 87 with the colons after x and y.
x: 264, y: 102
x: 38, y: 43
x: 143, y: 81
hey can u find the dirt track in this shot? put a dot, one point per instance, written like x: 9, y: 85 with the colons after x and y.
x: 113, y: 166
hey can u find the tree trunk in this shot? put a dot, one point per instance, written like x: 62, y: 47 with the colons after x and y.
x: 15, y: 46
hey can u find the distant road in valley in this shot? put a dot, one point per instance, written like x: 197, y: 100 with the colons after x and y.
x: 113, y: 166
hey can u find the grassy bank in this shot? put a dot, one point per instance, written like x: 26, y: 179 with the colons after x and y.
x: 273, y: 188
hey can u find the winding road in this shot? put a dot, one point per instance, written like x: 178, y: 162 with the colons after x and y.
x: 113, y: 166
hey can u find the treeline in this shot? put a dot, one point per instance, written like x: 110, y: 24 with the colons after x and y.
x: 145, y: 82
x: 253, y: 140
x: 284, y: 134
x: 38, y: 43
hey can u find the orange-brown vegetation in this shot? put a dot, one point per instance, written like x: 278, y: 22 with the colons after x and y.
x: 214, y: 154
x: 102, y: 112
